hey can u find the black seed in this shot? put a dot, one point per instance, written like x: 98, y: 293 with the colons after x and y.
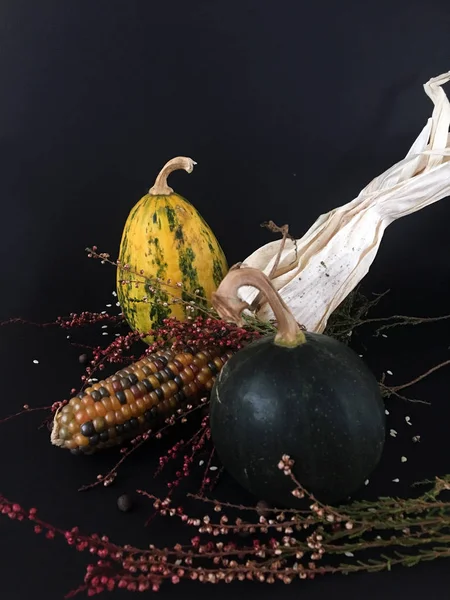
x: 181, y: 396
x: 94, y: 439
x: 148, y: 415
x: 133, y: 379
x: 163, y: 359
x: 87, y: 429
x: 159, y: 393
x: 76, y: 451
x: 121, y: 397
x: 154, y: 412
x: 104, y: 436
x: 189, y: 350
x: 127, y: 427
x: 134, y: 423
x: 119, y: 429
x: 83, y: 358
x: 148, y: 385
x: 125, y: 383
x: 104, y: 392
x: 159, y: 377
x: 96, y: 396
x: 213, y: 368
x: 124, y: 503
x: 177, y: 379
x: 169, y: 372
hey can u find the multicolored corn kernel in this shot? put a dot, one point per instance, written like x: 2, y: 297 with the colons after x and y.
x: 135, y: 399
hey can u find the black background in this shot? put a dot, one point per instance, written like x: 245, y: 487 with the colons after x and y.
x: 290, y: 109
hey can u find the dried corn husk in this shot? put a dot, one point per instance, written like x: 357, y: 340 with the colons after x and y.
x: 317, y: 272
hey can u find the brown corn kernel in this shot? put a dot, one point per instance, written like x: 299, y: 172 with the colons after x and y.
x: 120, y: 419
x: 110, y: 418
x: 81, y: 416
x: 209, y: 384
x: 141, y: 420
x: 154, y: 398
x: 193, y: 387
x: 134, y: 409
x: 173, y: 367
x: 129, y: 396
x: 80, y: 440
x: 91, y: 412
x: 202, y: 378
x: 107, y: 403
x: 166, y: 389
x: 126, y: 412
x: 100, y: 409
x: 115, y: 404
x: 70, y: 444
x: 140, y: 404
x: 112, y: 433
x: 206, y: 371
x: 173, y: 387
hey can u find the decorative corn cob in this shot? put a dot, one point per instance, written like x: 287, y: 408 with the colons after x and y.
x: 135, y: 399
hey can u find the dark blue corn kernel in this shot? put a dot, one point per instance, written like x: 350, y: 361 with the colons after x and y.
x: 104, y: 436
x: 87, y: 429
x: 121, y: 397
x: 148, y: 385
x: 213, y: 368
x: 148, y: 415
x: 76, y: 451
x: 134, y: 423
x: 159, y: 377
x: 96, y: 396
x: 159, y: 393
x: 94, y: 439
x: 125, y: 383
x: 119, y: 429
x: 133, y: 379
x: 127, y: 427
x: 103, y: 392
x: 177, y: 379
x: 169, y: 372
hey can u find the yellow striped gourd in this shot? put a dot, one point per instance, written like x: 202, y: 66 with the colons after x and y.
x: 168, y: 256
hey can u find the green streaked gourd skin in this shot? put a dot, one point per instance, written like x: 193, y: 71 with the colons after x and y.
x: 167, y: 240
x: 318, y: 402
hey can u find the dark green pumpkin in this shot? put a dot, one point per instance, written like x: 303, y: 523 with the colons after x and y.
x: 318, y: 402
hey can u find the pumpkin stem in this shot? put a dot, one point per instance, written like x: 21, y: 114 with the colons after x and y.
x: 160, y: 187
x: 229, y: 307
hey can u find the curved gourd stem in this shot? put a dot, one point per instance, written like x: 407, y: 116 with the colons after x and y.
x: 160, y: 188
x: 229, y: 307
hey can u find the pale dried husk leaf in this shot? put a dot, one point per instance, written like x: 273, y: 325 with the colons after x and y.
x: 318, y: 271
